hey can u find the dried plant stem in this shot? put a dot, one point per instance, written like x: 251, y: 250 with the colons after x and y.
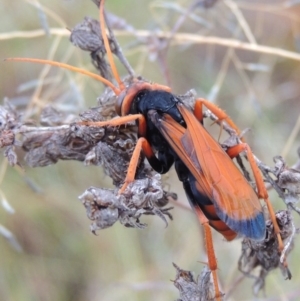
x: 242, y: 21
x: 28, y: 129
x: 178, y: 38
x: 19, y: 34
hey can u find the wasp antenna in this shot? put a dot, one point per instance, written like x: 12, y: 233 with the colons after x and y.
x: 107, y: 47
x: 68, y: 67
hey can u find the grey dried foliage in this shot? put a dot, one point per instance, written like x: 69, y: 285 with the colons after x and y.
x: 111, y: 148
x: 191, y: 289
x: 52, y: 117
x: 144, y: 196
x: 284, y: 180
x: 264, y: 256
x: 108, y: 147
x: 10, y: 119
x: 87, y: 36
x: 287, y: 182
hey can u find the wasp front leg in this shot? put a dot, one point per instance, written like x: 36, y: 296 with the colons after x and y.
x: 118, y: 122
x: 161, y: 164
x: 142, y: 143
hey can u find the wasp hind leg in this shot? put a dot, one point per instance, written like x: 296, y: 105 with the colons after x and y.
x: 261, y: 189
x: 212, y: 260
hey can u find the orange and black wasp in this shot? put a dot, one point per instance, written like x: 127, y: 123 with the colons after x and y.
x: 170, y: 133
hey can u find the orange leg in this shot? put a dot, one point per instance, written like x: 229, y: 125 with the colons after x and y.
x: 212, y: 261
x: 107, y: 46
x: 198, y: 112
x: 142, y: 144
x: 120, y: 121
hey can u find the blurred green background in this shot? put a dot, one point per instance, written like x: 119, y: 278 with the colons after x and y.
x: 60, y: 259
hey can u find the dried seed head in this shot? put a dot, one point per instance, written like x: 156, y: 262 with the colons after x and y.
x: 87, y: 36
x: 194, y: 290
x: 105, y: 207
x: 288, y: 178
x: 9, y: 117
x: 265, y: 255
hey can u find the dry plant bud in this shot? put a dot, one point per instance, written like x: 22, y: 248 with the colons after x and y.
x: 10, y: 120
x: 87, y: 36
x: 7, y: 138
x: 286, y: 183
x: 191, y: 289
x: 105, y: 207
x: 288, y: 179
x: 52, y: 117
x: 264, y: 255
